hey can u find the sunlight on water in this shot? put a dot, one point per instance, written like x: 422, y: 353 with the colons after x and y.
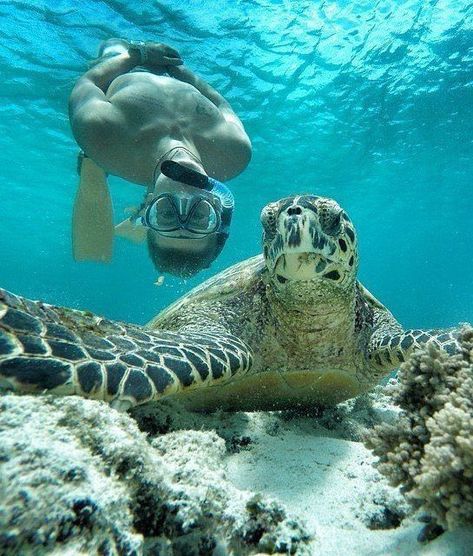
x: 368, y: 104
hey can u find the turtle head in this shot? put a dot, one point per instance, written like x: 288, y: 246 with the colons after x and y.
x: 309, y: 241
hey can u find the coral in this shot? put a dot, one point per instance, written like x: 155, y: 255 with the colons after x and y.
x: 381, y: 506
x: 429, y: 451
x: 78, y: 477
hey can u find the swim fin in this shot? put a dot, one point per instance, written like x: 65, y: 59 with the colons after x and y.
x: 92, y: 218
x: 130, y: 230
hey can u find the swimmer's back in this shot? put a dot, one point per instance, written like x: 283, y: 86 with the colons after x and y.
x: 150, y: 109
x: 163, y: 101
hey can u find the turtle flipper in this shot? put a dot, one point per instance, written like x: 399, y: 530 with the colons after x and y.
x: 389, y: 351
x: 65, y: 351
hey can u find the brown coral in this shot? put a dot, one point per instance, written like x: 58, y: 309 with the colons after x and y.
x: 429, y: 451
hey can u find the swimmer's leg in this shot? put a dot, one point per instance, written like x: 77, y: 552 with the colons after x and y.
x: 92, y: 219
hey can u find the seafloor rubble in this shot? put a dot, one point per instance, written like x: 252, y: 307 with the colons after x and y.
x: 429, y: 451
x: 78, y: 477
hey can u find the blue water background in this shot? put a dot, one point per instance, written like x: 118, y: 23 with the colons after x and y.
x: 367, y: 102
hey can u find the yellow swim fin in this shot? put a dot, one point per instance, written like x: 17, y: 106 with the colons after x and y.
x: 131, y: 230
x: 92, y: 218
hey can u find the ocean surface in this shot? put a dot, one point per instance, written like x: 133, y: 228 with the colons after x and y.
x: 367, y: 102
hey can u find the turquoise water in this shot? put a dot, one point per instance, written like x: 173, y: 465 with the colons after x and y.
x: 369, y: 103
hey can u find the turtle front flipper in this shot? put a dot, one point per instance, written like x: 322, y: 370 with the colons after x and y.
x: 44, y: 348
x: 387, y: 352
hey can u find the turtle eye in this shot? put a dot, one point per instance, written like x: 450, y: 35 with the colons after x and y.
x: 330, y: 221
x: 268, y: 219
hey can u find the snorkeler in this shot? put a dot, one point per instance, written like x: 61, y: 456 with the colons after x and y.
x: 164, y: 128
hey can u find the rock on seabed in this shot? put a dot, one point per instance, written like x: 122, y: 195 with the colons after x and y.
x: 78, y: 477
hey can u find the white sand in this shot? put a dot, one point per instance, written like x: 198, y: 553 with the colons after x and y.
x: 311, y: 467
x: 330, y: 483
x: 316, y: 467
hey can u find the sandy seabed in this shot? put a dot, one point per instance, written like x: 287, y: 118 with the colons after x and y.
x: 77, y: 477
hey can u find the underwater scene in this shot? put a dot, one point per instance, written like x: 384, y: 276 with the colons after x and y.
x: 147, y: 407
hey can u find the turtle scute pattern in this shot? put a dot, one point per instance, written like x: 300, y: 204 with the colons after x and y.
x: 68, y: 351
x: 390, y: 345
x: 395, y: 349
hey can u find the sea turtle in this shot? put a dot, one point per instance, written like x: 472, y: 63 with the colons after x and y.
x: 290, y: 328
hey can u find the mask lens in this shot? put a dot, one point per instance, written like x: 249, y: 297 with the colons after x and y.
x: 162, y: 215
x: 203, y: 218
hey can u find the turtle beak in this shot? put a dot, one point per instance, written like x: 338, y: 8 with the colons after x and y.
x: 300, y: 231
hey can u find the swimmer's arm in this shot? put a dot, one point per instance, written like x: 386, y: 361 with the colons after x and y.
x: 93, y: 85
x: 88, y: 99
x: 92, y: 116
x: 185, y: 74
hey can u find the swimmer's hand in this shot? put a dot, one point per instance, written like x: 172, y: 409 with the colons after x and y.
x: 159, y: 54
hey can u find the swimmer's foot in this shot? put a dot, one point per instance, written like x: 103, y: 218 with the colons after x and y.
x: 108, y: 49
x: 131, y: 230
x: 112, y: 47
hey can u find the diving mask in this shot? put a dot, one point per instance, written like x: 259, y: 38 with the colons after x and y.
x: 199, y: 214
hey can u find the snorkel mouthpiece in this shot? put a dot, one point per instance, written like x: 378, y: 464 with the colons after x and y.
x: 177, y: 172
